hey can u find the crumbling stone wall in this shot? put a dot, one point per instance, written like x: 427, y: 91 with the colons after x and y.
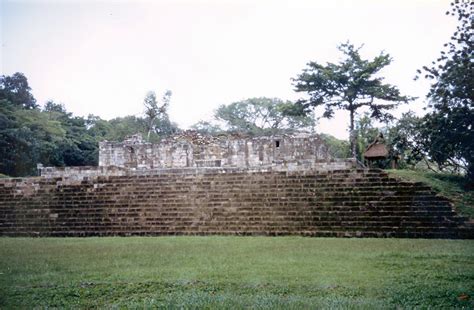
x: 193, y: 150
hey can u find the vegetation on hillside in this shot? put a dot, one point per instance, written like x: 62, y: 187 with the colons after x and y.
x: 447, y: 133
x: 454, y: 187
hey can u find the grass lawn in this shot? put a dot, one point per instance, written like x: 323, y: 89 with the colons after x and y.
x: 236, y: 272
x: 451, y: 186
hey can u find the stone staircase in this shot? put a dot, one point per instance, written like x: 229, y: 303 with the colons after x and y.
x: 340, y: 203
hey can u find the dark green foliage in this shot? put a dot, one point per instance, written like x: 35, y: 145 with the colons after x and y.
x: 117, y: 129
x: 403, y: 138
x: 78, y: 147
x: 337, y: 148
x: 121, y: 127
x: 27, y: 137
x: 448, y: 138
x: 15, y: 89
x: 352, y: 84
x: 405, y: 141
x: 54, y: 137
x: 365, y: 132
x: 262, y: 116
x: 449, y: 130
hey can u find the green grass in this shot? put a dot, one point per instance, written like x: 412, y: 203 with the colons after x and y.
x: 236, y: 272
x: 451, y: 186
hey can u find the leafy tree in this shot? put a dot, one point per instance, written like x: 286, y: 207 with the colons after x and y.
x: 98, y: 128
x: 207, y: 128
x: 337, y: 148
x: 27, y: 137
x: 405, y: 140
x: 78, y: 147
x: 262, y: 116
x: 449, y: 126
x: 365, y: 132
x: 52, y: 107
x: 157, y: 119
x: 15, y: 89
x: 55, y: 137
x: 349, y: 85
x: 121, y: 127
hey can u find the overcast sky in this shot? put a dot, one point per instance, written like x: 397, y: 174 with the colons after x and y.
x: 101, y: 57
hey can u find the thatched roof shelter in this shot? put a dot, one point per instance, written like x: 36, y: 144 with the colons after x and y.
x: 377, y: 149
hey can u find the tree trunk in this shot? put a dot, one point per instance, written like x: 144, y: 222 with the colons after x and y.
x: 150, y: 127
x: 352, y: 136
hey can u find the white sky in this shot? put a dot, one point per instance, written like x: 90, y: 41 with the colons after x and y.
x: 101, y: 57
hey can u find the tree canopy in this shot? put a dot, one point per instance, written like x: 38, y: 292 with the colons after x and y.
x: 262, y: 116
x: 53, y: 136
x: 448, y: 128
x: 16, y: 90
x: 156, y: 114
x: 350, y: 85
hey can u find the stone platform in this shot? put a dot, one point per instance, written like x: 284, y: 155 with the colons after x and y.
x: 335, y: 203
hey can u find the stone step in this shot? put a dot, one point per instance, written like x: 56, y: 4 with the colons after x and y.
x: 339, y: 203
x: 441, y: 234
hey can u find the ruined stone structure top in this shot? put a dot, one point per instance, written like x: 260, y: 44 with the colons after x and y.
x: 194, y: 150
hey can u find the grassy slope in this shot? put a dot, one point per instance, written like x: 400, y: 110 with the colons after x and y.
x: 236, y: 272
x: 451, y: 186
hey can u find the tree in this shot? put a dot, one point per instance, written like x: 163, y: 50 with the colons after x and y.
x: 406, y: 141
x: 157, y: 116
x: 16, y: 90
x: 78, y: 147
x: 27, y: 137
x: 122, y: 127
x: 262, y: 116
x: 336, y: 148
x: 366, y: 132
x: 207, y: 128
x: 449, y: 126
x: 349, y: 85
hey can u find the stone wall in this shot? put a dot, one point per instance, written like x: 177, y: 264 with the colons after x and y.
x: 78, y: 173
x: 206, y: 151
x: 81, y: 172
x: 299, y: 152
x: 244, y: 186
x: 340, y: 203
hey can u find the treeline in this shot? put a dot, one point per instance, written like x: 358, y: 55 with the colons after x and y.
x: 31, y: 134
x: 443, y: 139
x: 52, y: 136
